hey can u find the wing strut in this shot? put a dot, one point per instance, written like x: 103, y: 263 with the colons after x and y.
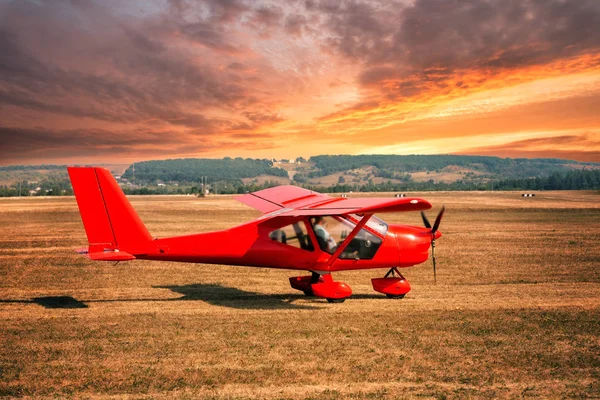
x: 349, y: 238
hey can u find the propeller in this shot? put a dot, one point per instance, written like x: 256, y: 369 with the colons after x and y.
x: 434, y: 229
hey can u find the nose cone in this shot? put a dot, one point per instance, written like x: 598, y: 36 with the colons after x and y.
x: 413, y: 244
x: 438, y: 234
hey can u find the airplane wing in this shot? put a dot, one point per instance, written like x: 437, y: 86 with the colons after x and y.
x: 276, y: 198
x: 294, y: 201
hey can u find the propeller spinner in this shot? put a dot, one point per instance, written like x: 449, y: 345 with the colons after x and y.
x: 434, y: 229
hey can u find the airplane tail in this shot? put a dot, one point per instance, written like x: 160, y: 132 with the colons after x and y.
x: 115, y: 232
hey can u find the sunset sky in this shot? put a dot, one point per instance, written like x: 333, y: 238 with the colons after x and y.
x: 112, y: 81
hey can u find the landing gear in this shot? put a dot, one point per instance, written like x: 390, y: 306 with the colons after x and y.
x: 304, y: 283
x: 322, y: 286
x: 336, y: 300
x: 394, y: 287
x: 395, y: 296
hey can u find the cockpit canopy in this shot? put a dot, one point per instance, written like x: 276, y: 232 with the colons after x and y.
x: 331, y: 232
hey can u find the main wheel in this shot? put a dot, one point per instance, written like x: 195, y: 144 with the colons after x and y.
x: 395, y: 296
x: 330, y: 300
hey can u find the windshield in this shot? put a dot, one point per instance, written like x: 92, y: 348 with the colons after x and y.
x: 376, y: 224
x: 332, y: 231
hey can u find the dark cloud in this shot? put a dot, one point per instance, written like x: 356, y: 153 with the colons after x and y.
x: 217, y: 11
x: 581, y: 140
x: 46, y: 144
x: 237, y: 66
x: 130, y: 73
x: 295, y: 23
x: 227, y: 10
x: 262, y: 117
x: 268, y: 16
x: 400, y: 41
x: 571, y: 147
x: 208, y: 34
x: 57, y: 143
x: 143, y: 42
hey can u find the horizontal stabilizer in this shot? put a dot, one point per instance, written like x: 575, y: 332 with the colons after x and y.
x: 110, y: 256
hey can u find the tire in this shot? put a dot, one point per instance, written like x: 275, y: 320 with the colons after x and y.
x: 395, y: 296
x: 330, y: 300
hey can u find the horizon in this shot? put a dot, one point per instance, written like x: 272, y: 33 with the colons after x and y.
x: 106, y: 82
x: 293, y: 159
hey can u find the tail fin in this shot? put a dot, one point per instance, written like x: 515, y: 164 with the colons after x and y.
x: 111, y: 224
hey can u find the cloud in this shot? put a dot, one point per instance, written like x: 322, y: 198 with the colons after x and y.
x: 268, y: 15
x: 207, y: 34
x: 78, y: 144
x: 335, y: 73
x: 295, y: 24
x: 582, y: 147
x: 261, y: 117
x: 421, y: 46
x: 134, y: 69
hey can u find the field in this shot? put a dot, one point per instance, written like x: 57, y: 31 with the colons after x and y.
x: 515, y: 311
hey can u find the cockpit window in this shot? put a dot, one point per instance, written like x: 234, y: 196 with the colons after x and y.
x: 376, y: 224
x: 294, y: 235
x: 331, y: 232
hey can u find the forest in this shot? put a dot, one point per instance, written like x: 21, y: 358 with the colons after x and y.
x: 189, y: 170
x: 393, y: 173
x: 392, y: 166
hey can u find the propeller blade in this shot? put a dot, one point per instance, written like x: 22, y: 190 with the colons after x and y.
x: 436, y: 224
x: 433, y: 260
x: 425, y: 220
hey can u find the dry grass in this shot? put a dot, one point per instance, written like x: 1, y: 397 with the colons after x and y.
x: 515, y: 312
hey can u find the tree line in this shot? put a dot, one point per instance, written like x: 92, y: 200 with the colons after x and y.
x: 190, y: 170
x: 56, y: 183
x: 572, y: 180
x: 396, y: 166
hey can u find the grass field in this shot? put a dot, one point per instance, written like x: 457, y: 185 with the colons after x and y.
x: 515, y: 311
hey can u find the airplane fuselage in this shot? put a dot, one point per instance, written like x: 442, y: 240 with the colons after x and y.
x: 250, y: 245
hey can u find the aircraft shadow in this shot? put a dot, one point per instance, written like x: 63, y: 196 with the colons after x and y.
x: 59, y: 302
x: 211, y: 293
x: 51, y: 302
x: 235, y: 298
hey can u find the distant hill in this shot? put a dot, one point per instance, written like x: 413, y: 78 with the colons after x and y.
x: 31, y: 173
x: 337, y: 173
x: 389, y: 165
x: 40, y: 180
x: 189, y: 170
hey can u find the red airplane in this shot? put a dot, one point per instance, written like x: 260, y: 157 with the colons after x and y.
x: 299, y: 229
